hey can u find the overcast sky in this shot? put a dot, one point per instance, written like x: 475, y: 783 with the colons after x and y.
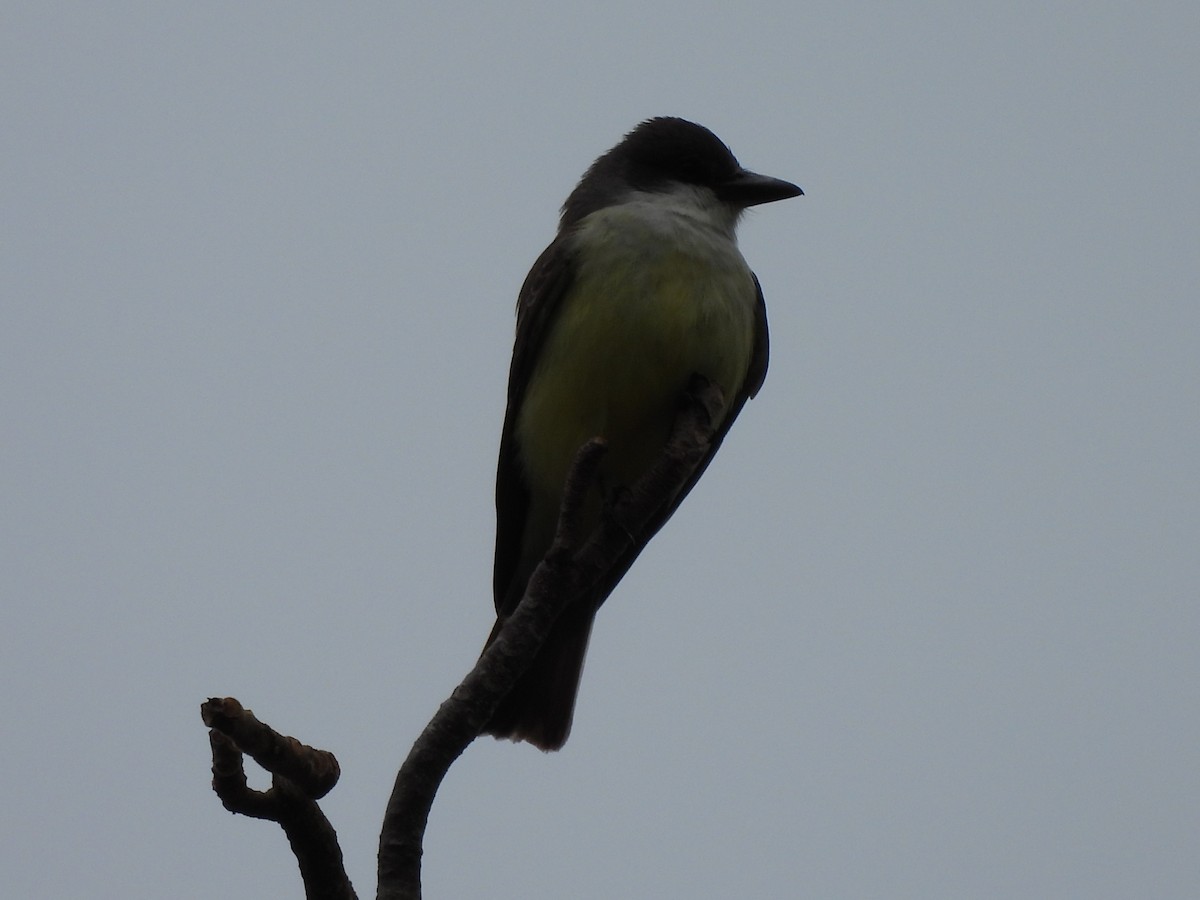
x: 928, y: 628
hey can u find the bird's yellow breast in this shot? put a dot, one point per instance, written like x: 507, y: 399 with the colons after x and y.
x: 656, y: 298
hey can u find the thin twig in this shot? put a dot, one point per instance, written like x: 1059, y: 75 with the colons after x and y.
x: 299, y: 775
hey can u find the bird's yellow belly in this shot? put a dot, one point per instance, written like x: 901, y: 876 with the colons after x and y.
x: 627, y: 339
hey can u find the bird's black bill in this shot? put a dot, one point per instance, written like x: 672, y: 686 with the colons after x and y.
x: 751, y: 189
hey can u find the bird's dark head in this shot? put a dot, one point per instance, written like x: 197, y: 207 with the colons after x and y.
x: 663, y: 153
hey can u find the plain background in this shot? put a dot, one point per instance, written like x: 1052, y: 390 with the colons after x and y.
x: 928, y: 628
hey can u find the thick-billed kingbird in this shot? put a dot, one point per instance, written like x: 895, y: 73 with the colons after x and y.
x: 642, y: 288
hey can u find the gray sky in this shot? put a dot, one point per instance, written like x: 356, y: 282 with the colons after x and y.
x: 928, y: 628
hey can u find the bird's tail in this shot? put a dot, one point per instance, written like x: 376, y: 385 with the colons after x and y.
x: 541, y: 705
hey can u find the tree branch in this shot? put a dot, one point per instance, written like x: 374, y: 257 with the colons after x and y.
x: 300, y: 775
x: 565, y: 574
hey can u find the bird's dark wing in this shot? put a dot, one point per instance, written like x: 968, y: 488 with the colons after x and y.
x: 537, y: 304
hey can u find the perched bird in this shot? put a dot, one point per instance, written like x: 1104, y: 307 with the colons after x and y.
x: 642, y: 288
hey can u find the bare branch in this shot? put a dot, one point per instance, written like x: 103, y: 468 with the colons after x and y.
x: 575, y: 563
x: 563, y: 575
x: 299, y: 774
x: 313, y: 771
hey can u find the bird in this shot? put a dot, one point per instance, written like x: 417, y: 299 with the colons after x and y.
x: 642, y: 288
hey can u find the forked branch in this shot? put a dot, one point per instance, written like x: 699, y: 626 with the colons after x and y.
x: 302, y: 774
